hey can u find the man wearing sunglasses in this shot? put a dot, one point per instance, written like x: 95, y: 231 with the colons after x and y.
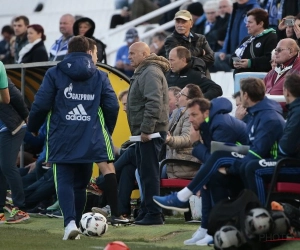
x: 288, y: 61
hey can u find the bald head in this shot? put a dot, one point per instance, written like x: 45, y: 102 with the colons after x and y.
x: 137, y: 53
x: 285, y: 50
x: 66, y: 25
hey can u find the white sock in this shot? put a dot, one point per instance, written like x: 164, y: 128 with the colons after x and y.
x: 184, y: 194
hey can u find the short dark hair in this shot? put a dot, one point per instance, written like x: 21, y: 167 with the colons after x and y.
x: 122, y: 94
x: 254, y: 87
x: 260, y: 15
x: 39, y: 29
x: 92, y: 44
x: 194, y: 91
x: 202, y: 103
x: 175, y: 90
x: 236, y: 94
x: 7, y: 29
x: 183, y: 52
x: 78, y: 44
x: 24, y: 18
x: 291, y: 83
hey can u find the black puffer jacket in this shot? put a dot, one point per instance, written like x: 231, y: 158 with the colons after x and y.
x: 14, y: 113
x: 190, y: 75
x: 100, y: 45
x: 196, y: 44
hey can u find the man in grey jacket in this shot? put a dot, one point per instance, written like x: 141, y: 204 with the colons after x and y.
x: 148, y: 113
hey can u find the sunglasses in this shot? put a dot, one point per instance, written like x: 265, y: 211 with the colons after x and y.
x: 280, y: 49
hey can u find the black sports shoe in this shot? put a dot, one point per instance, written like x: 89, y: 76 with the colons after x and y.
x: 57, y: 214
x: 36, y: 210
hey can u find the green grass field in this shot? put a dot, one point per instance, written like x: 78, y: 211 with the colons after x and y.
x: 46, y: 233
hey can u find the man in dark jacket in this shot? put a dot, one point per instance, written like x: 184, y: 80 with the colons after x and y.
x: 20, y: 24
x: 258, y: 171
x: 82, y: 108
x: 183, y: 36
x: 182, y: 73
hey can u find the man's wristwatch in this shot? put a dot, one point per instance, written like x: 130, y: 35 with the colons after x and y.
x: 196, y: 143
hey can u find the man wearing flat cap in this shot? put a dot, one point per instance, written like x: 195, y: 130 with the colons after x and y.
x: 183, y: 36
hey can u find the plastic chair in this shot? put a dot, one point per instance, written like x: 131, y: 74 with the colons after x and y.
x: 240, y: 76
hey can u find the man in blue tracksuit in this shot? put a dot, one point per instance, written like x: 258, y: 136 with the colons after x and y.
x: 264, y: 129
x: 261, y: 170
x: 82, y: 110
x: 218, y: 126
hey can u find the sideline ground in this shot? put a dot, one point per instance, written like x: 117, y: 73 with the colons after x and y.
x: 46, y: 233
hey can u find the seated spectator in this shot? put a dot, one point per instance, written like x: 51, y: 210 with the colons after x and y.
x: 7, y: 32
x: 119, y: 19
x: 86, y: 27
x: 235, y: 33
x: 20, y: 25
x: 255, y: 50
x: 183, y: 72
x: 288, y: 61
x: 296, y: 28
x: 289, y: 30
x: 196, y: 10
x: 273, y: 60
x: 10, y: 56
x: 122, y: 61
x: 60, y: 48
x: 178, y: 141
x: 183, y: 36
x: 158, y: 42
x: 225, y: 10
x: 35, y: 50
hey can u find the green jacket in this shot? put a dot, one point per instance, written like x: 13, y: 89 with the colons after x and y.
x: 148, y: 102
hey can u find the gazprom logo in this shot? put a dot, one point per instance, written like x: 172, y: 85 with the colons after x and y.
x: 265, y: 163
x: 69, y: 95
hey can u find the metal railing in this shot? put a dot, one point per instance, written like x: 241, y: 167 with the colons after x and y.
x: 142, y: 19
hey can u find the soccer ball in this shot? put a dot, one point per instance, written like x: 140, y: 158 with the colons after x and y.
x: 228, y: 237
x: 258, y: 221
x: 93, y: 224
x: 281, y: 222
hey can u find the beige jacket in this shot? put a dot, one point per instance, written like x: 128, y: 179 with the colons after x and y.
x: 180, y: 147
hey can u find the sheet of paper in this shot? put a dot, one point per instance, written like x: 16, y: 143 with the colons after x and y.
x: 138, y: 137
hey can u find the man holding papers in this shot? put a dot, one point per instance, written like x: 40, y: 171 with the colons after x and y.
x: 148, y: 113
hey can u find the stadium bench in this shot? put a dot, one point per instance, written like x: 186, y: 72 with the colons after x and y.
x: 177, y: 184
x: 283, y: 190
